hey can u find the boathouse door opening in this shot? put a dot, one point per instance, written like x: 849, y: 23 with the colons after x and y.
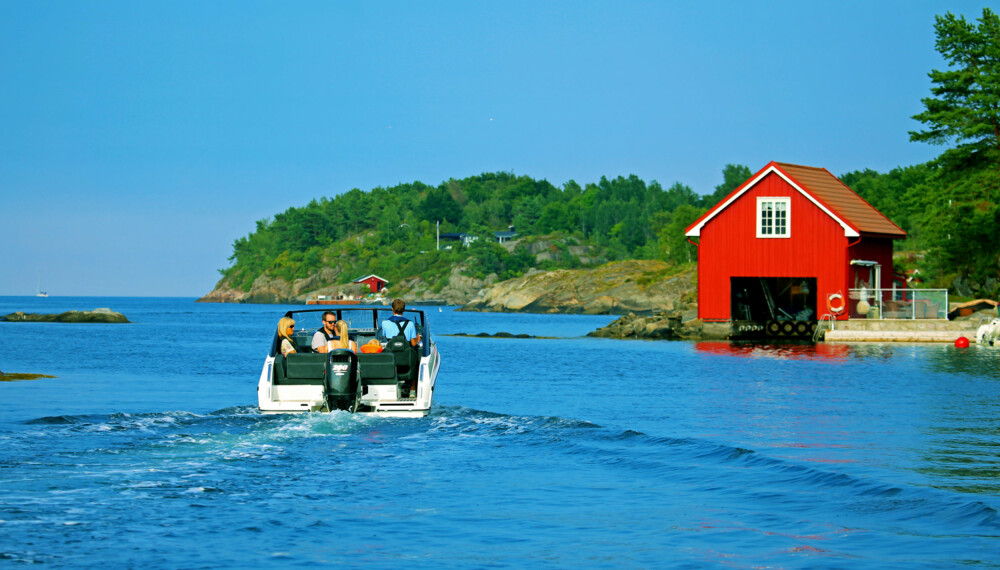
x: 783, y: 304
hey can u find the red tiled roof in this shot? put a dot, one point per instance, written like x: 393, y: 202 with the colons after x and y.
x: 843, y: 201
x: 824, y: 189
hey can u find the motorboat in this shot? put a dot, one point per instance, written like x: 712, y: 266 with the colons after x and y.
x: 989, y: 334
x: 381, y: 379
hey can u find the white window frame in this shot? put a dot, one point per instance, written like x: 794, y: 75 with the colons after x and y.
x: 774, y: 201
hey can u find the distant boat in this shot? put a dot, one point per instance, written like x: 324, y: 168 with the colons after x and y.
x: 325, y: 300
x: 40, y: 293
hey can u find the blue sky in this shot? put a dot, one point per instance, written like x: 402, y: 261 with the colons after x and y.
x: 140, y: 139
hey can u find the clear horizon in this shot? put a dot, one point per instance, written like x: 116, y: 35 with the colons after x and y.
x: 142, y: 139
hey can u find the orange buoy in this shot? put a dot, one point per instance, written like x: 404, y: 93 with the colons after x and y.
x: 961, y: 342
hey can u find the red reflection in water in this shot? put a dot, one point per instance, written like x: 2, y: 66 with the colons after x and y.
x: 820, y: 351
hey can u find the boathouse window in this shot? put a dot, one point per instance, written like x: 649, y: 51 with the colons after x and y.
x: 773, y: 219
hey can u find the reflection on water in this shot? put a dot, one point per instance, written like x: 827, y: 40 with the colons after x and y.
x: 931, y: 409
x: 785, y: 350
x: 976, y: 360
x: 963, y: 424
x: 966, y: 458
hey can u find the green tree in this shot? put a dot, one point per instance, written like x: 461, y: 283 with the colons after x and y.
x: 965, y: 107
x: 679, y: 195
x: 674, y: 245
x: 732, y: 176
x: 440, y: 206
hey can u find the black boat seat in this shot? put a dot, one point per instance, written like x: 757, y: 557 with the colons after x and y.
x: 279, y: 376
x: 377, y: 368
x: 407, y: 362
x: 305, y: 369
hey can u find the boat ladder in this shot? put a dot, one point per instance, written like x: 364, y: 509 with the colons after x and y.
x: 826, y: 322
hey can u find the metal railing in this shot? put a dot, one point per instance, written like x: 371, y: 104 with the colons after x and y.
x: 898, y: 303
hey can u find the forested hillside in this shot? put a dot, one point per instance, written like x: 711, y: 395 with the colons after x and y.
x: 393, y: 231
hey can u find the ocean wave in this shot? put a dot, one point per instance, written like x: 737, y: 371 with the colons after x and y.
x: 689, y: 460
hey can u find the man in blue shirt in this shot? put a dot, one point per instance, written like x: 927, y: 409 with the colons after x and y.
x: 398, y: 323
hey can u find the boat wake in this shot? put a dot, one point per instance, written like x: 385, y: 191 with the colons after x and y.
x: 180, y: 452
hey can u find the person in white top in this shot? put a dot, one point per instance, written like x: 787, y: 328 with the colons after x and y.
x: 344, y: 341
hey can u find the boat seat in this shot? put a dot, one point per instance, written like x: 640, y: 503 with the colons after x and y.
x: 305, y: 368
x: 377, y: 368
x: 407, y: 364
x: 279, y: 376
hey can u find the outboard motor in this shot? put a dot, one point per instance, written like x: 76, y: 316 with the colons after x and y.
x: 341, y: 380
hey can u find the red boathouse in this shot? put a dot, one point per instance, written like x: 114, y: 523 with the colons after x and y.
x: 374, y: 282
x: 788, y: 245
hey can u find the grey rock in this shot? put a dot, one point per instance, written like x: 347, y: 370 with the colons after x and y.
x: 102, y: 315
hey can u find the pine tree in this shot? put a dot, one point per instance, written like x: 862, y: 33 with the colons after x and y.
x: 965, y: 107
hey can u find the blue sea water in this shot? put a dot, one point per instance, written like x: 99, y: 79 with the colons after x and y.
x: 147, y: 451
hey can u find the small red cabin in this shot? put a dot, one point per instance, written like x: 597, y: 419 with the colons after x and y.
x: 374, y: 282
x: 788, y: 245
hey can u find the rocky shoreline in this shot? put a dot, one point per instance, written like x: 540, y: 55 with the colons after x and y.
x: 617, y: 288
x: 662, y: 325
x: 458, y: 290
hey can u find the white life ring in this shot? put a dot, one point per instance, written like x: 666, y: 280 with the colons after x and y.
x: 835, y: 303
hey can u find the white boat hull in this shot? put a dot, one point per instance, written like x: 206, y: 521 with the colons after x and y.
x: 399, y: 381
x: 374, y: 399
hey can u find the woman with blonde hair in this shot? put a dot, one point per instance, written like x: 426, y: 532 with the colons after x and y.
x: 286, y: 326
x: 344, y: 342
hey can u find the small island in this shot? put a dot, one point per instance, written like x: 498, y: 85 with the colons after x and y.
x: 4, y: 377
x: 102, y: 315
x: 500, y: 334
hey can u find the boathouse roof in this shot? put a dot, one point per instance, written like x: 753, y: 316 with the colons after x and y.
x: 824, y: 190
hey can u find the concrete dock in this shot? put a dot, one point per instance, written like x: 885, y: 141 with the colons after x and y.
x: 902, y: 330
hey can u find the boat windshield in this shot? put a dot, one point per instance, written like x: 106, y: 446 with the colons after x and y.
x: 363, y: 323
